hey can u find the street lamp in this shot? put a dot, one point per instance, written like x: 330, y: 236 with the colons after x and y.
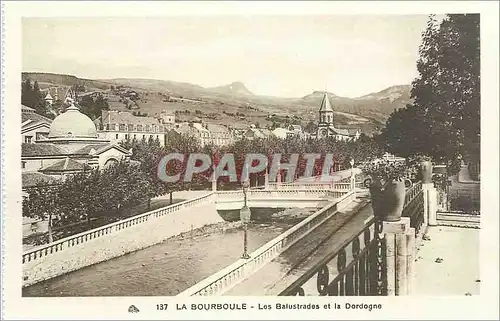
x: 245, y: 218
x: 352, y: 173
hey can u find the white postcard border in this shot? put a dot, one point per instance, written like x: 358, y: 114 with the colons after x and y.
x: 14, y: 306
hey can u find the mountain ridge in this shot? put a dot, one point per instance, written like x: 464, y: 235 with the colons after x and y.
x: 371, y: 110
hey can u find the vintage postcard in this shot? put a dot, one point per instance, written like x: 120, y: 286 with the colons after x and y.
x: 253, y: 160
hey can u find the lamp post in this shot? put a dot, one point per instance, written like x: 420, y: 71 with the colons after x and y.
x: 353, y: 185
x: 245, y: 218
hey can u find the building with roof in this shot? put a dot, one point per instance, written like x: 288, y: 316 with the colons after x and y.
x: 33, y: 126
x: 326, y: 127
x: 257, y: 133
x: 205, y: 134
x: 282, y: 133
x: 167, y: 117
x: 71, y: 145
x: 63, y: 94
x: 117, y: 126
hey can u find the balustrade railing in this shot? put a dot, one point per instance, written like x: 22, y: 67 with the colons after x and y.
x: 276, y: 194
x: 354, y: 268
x: 298, y: 185
x: 414, y: 206
x: 238, y: 271
x: 77, y: 239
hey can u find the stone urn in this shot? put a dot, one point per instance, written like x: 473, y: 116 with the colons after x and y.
x: 388, y: 200
x: 426, y: 172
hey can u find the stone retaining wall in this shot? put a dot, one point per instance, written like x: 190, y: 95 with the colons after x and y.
x: 128, y: 240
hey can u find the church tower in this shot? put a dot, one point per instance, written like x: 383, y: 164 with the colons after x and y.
x: 325, y: 125
x: 325, y: 112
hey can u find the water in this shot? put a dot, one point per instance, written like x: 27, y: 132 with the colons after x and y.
x: 165, y: 269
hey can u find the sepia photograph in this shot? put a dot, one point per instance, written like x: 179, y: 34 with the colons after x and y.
x: 247, y: 155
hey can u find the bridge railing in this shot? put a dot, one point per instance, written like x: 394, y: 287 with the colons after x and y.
x: 298, y: 185
x: 78, y: 239
x: 358, y: 266
x: 284, y: 193
x: 238, y: 271
x: 282, y: 186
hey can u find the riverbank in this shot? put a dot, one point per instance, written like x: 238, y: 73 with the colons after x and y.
x: 167, y: 268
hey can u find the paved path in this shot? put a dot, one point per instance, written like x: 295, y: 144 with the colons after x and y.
x: 457, y: 273
x: 275, y: 275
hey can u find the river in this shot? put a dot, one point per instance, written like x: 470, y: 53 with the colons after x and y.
x: 167, y: 268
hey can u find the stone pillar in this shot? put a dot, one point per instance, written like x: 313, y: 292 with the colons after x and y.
x: 395, y: 235
x: 410, y: 259
x: 430, y: 203
x: 266, y: 180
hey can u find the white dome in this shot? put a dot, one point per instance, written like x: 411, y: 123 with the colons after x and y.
x: 72, y: 123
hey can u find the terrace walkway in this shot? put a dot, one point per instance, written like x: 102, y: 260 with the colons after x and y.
x: 448, y: 262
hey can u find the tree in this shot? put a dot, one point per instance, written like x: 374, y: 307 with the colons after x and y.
x: 31, y: 96
x: 89, y: 194
x: 311, y: 127
x: 93, y: 107
x: 444, y: 120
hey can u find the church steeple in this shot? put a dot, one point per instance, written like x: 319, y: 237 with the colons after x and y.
x: 326, y: 110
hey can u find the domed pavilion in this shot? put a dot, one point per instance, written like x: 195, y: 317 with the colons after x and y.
x: 72, y: 145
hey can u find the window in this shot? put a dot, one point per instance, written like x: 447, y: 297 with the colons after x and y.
x: 123, y: 127
x: 23, y: 164
x: 116, y: 136
x: 130, y: 127
x: 139, y: 128
x: 27, y: 139
x: 126, y: 136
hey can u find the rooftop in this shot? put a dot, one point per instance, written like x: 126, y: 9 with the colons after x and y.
x: 124, y: 117
x: 65, y: 165
x: 31, y: 179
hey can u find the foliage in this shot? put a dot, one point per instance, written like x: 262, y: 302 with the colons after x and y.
x: 444, y: 120
x: 383, y: 172
x: 88, y: 194
x: 31, y: 96
x: 93, y: 107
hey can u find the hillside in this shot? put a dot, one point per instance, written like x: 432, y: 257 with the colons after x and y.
x: 235, y: 88
x: 234, y: 104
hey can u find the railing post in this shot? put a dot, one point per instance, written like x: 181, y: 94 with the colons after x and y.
x: 266, y: 180
x: 395, y: 235
x: 430, y: 204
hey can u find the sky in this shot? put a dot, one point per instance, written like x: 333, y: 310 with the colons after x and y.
x: 285, y: 56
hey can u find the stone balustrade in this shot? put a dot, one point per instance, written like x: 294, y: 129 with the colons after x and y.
x: 81, y: 238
